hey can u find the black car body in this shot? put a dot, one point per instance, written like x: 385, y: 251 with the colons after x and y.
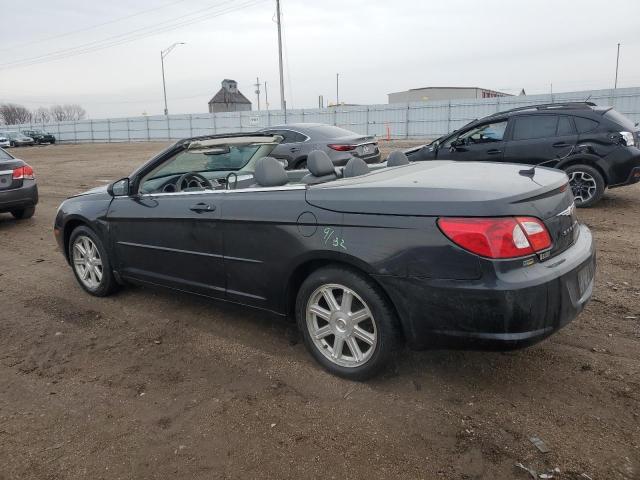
x: 597, y: 146
x: 18, y: 189
x: 387, y: 238
x: 299, y: 139
x: 40, y: 136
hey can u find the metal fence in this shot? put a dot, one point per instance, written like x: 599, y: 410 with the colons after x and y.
x: 394, y: 121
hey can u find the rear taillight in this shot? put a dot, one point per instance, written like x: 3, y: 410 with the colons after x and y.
x: 506, y: 237
x: 342, y: 148
x: 23, y: 173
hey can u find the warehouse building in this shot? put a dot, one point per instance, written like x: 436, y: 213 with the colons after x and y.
x: 443, y: 93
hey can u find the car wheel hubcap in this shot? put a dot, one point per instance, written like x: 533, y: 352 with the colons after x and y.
x: 341, y: 325
x: 583, y: 186
x: 87, y: 262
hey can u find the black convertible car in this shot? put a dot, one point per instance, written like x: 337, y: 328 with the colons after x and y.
x: 364, y: 259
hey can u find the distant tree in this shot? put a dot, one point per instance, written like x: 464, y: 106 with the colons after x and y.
x: 14, y: 114
x: 67, y: 112
x: 41, y: 115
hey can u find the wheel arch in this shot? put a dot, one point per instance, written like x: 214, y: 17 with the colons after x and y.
x: 70, y: 225
x: 590, y: 160
x: 308, y: 265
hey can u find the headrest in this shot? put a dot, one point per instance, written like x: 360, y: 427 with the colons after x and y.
x: 270, y: 173
x: 397, y: 158
x: 319, y: 163
x: 355, y: 167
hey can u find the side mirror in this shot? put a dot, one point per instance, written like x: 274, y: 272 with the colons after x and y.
x: 284, y: 162
x: 119, y: 188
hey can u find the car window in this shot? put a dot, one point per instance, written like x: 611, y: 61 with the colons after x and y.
x: 535, y: 126
x: 565, y: 126
x: 330, y: 131
x: 4, y: 155
x: 585, y: 125
x: 295, y: 137
x: 487, y: 133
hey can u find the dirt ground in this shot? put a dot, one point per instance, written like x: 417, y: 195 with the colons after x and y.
x: 154, y: 384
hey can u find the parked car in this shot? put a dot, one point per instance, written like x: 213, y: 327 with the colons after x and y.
x: 361, y: 256
x: 17, y: 139
x: 18, y: 189
x: 301, y: 138
x: 40, y: 136
x: 4, y: 141
x: 597, y: 146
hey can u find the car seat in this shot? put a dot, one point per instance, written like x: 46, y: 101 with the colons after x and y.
x: 321, y: 168
x: 270, y: 172
x: 355, y: 167
x: 397, y: 158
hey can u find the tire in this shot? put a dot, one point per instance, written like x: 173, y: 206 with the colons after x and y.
x: 23, y: 213
x: 98, y: 284
x: 12, y: 144
x: 377, y: 325
x: 587, y: 185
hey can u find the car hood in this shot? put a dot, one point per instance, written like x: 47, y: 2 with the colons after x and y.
x: 101, y: 190
x: 442, y: 188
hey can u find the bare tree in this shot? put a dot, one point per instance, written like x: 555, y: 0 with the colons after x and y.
x: 67, y: 112
x: 14, y: 114
x: 41, y: 115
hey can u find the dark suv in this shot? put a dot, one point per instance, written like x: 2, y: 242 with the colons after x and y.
x: 597, y: 146
x: 40, y: 136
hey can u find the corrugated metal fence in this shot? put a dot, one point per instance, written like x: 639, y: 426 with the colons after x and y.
x: 401, y: 120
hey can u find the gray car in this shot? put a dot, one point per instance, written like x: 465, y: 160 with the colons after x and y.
x: 18, y: 189
x: 341, y: 145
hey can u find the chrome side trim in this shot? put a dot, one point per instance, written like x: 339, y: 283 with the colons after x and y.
x: 189, y: 252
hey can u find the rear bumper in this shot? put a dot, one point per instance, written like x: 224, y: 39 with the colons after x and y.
x: 340, y: 159
x: 17, y: 198
x: 501, y: 310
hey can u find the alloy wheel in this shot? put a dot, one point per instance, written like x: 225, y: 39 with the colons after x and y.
x: 87, y: 262
x: 583, y: 186
x: 341, y: 325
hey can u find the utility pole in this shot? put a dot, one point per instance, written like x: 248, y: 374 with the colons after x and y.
x: 615, y: 85
x: 266, y: 96
x: 337, y: 89
x: 320, y: 101
x: 257, y: 85
x: 283, y: 103
x: 164, y: 53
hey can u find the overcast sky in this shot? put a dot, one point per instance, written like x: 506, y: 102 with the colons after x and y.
x: 377, y: 47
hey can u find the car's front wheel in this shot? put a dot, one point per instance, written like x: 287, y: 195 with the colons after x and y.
x: 90, y: 262
x: 23, y: 213
x: 346, y: 322
x: 586, y: 184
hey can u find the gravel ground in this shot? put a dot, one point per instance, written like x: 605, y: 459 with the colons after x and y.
x: 154, y: 384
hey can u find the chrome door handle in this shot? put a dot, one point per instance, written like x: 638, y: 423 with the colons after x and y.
x: 202, y: 207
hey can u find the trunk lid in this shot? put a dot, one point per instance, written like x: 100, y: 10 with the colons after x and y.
x: 457, y: 189
x: 6, y: 174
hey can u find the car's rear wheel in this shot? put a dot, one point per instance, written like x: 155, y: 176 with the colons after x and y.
x: 23, y: 213
x: 90, y: 263
x: 346, y: 322
x: 586, y: 184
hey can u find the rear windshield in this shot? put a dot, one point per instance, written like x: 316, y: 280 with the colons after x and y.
x: 620, y: 119
x: 4, y: 156
x: 329, y: 131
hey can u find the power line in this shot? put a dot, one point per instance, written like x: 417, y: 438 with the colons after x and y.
x: 91, y: 27
x: 105, y: 43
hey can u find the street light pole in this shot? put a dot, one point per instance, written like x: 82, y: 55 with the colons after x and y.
x: 283, y: 103
x: 337, y: 89
x: 164, y: 53
x: 615, y: 85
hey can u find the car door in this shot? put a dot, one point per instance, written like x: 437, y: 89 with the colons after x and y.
x: 168, y: 237
x: 540, y: 139
x: 261, y: 237
x: 483, y: 142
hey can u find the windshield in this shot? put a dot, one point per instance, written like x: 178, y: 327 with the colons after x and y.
x: 200, y: 161
x: 4, y: 155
